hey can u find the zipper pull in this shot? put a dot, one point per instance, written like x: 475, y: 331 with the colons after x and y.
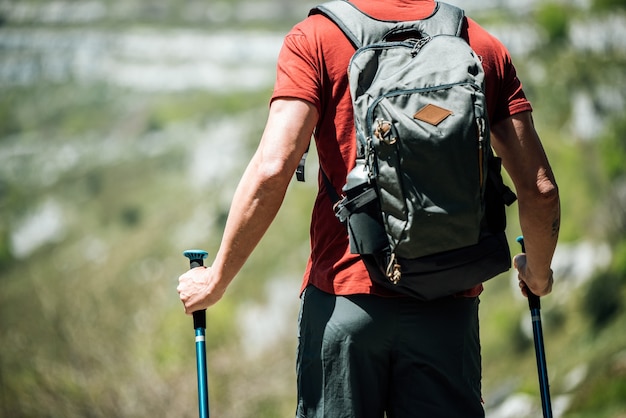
x: 419, y: 43
x: 480, y: 122
x: 394, y: 274
x: 383, y: 132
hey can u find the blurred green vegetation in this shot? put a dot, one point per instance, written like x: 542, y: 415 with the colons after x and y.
x: 90, y: 323
x: 609, y: 4
x: 554, y: 18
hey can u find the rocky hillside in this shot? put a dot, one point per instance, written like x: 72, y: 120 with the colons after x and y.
x: 124, y: 127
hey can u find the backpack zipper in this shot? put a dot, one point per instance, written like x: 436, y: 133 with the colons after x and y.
x: 393, y: 272
x: 480, y: 122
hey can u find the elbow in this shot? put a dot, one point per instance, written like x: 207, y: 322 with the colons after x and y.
x: 544, y: 192
x: 547, y: 189
x: 542, y: 188
x: 269, y: 172
x: 548, y: 198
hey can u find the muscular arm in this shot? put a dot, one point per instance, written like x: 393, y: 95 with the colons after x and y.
x: 517, y: 143
x: 256, y: 201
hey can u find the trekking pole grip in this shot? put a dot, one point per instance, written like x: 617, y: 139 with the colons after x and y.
x: 196, y: 259
x: 533, y: 300
x: 542, y: 369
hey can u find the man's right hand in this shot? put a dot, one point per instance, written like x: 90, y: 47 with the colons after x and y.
x: 539, y: 286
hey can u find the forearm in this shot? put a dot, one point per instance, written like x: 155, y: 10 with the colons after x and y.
x: 262, y: 188
x: 256, y: 202
x: 539, y: 215
x: 517, y: 143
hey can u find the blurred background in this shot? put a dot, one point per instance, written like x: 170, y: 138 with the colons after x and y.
x: 124, y: 127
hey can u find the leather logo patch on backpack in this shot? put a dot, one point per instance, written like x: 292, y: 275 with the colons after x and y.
x: 432, y: 114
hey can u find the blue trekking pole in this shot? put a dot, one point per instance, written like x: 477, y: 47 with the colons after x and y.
x: 542, y: 370
x: 196, y: 259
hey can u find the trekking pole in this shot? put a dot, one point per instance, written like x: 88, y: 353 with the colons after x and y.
x: 542, y: 370
x: 196, y: 259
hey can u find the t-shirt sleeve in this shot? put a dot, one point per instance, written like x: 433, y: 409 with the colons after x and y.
x: 505, y: 94
x: 297, y: 70
x: 512, y: 98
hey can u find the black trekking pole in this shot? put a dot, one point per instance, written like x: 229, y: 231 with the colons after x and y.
x: 542, y: 370
x: 196, y: 259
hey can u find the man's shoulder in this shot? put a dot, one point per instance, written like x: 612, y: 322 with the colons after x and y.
x: 480, y: 38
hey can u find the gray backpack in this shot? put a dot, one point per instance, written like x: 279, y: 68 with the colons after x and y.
x: 424, y: 205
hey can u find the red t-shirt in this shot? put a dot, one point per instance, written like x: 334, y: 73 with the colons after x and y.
x: 312, y: 66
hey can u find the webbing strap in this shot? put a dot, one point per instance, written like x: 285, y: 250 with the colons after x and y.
x: 330, y: 189
x: 363, y: 29
x: 508, y: 196
x: 345, y: 207
x: 300, y: 169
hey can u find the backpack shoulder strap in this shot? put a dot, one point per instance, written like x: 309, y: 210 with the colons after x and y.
x: 363, y: 29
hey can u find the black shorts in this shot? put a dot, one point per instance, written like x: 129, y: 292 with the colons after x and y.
x: 365, y: 356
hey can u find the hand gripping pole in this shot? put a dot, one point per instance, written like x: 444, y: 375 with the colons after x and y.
x: 534, y: 304
x: 196, y: 259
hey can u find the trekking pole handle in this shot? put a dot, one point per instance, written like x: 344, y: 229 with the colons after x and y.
x: 542, y: 369
x: 533, y: 300
x: 196, y: 259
